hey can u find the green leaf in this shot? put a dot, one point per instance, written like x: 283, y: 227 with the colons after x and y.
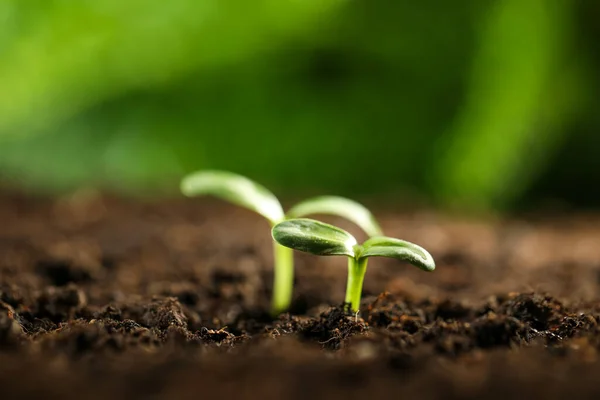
x: 314, y: 237
x: 339, y: 206
x: 495, y: 148
x: 236, y: 189
x: 384, y: 246
x: 61, y: 57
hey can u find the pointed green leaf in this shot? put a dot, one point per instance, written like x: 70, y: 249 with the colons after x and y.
x: 314, y: 237
x: 340, y: 206
x: 384, y: 246
x: 236, y: 189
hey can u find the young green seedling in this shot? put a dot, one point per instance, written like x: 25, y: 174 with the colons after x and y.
x: 323, y: 239
x: 243, y: 192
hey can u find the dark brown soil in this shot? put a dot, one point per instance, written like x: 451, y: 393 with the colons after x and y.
x: 104, y: 298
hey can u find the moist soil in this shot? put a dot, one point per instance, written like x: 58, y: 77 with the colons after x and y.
x: 111, y: 298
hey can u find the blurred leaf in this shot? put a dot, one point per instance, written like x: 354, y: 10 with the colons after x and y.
x: 339, y: 206
x: 387, y: 80
x: 501, y: 135
x: 302, y: 99
x: 236, y: 189
x: 65, y: 55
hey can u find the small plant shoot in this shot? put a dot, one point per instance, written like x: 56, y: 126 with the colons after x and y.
x: 244, y: 192
x: 322, y: 239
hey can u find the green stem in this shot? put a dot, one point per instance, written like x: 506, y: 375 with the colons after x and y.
x: 356, y: 276
x: 283, y: 279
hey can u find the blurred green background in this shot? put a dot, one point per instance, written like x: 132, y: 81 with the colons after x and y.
x: 476, y: 104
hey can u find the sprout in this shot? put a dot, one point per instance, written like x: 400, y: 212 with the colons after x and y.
x: 323, y: 239
x: 243, y: 192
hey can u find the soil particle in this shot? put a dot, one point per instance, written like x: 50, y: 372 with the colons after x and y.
x: 61, y: 272
x: 494, y: 330
x: 538, y: 311
x: 59, y: 303
x: 333, y: 328
x: 164, y: 313
x: 11, y: 331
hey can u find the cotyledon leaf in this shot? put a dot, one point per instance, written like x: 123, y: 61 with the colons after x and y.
x: 236, y: 189
x: 314, y: 237
x: 339, y: 206
x: 383, y: 246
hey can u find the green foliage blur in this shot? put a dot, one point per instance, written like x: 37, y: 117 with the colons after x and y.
x: 476, y: 104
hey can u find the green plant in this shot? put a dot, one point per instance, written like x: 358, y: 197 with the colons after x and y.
x: 244, y: 192
x: 323, y: 239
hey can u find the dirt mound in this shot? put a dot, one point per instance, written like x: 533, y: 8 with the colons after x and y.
x: 138, y: 300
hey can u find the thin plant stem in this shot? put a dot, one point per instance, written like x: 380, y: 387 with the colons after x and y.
x: 283, y: 279
x: 356, y: 276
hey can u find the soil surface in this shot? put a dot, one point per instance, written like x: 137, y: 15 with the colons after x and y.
x: 106, y: 298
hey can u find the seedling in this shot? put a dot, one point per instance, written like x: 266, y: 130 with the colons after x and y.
x: 243, y: 192
x: 323, y: 239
